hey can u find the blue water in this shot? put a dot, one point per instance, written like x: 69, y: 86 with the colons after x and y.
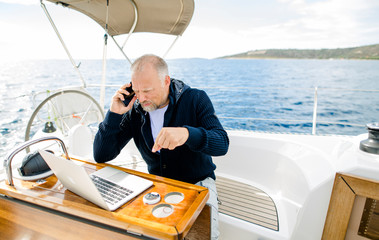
x: 281, y: 90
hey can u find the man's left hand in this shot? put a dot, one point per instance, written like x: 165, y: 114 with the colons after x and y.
x: 170, y: 138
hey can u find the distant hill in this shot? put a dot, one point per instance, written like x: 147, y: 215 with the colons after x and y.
x: 363, y: 52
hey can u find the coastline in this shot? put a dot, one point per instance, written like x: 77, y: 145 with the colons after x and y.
x: 370, y: 52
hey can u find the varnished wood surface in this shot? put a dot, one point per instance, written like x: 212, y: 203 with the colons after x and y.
x: 346, y: 188
x: 339, y: 211
x: 134, y: 216
x: 20, y: 221
x: 201, y: 229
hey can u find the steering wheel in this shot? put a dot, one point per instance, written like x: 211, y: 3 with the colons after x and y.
x: 66, y: 109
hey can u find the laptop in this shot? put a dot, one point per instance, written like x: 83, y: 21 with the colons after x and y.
x: 108, y: 187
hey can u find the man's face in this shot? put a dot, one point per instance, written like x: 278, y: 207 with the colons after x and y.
x: 149, y: 89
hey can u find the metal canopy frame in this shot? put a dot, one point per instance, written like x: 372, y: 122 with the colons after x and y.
x: 121, y: 48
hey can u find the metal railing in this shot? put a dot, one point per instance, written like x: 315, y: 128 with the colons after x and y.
x: 314, y: 121
x: 7, y: 164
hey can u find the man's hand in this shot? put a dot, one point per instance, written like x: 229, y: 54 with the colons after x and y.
x: 170, y: 138
x: 117, y: 106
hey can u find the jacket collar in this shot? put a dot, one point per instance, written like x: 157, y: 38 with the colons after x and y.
x: 177, y: 88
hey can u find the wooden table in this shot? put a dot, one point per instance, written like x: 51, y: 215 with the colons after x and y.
x: 47, y: 210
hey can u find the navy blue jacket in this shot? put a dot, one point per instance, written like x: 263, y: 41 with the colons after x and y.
x: 188, y: 107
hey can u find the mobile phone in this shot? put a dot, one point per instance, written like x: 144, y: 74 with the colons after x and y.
x: 129, y: 97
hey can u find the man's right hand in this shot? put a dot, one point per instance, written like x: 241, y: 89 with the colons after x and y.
x: 117, y: 106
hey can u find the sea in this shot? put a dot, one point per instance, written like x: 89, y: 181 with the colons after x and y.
x: 269, y: 95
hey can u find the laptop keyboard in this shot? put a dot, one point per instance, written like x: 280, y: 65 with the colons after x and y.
x: 111, y: 192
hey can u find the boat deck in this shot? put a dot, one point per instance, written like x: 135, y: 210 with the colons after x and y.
x: 247, y: 203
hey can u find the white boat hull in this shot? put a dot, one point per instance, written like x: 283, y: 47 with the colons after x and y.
x: 297, y: 172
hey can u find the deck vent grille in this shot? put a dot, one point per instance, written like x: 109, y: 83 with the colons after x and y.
x: 247, y: 203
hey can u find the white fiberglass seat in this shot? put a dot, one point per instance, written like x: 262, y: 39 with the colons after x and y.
x: 296, y: 176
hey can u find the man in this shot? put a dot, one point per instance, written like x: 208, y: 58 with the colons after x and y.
x: 173, y: 126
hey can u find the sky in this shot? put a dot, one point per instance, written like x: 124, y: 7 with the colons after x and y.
x: 218, y: 28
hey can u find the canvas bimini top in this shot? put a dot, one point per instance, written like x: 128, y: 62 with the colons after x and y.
x: 126, y: 16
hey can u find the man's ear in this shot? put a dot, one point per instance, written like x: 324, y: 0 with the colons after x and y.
x: 167, y: 80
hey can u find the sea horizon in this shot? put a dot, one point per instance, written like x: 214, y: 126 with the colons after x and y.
x: 273, y: 95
